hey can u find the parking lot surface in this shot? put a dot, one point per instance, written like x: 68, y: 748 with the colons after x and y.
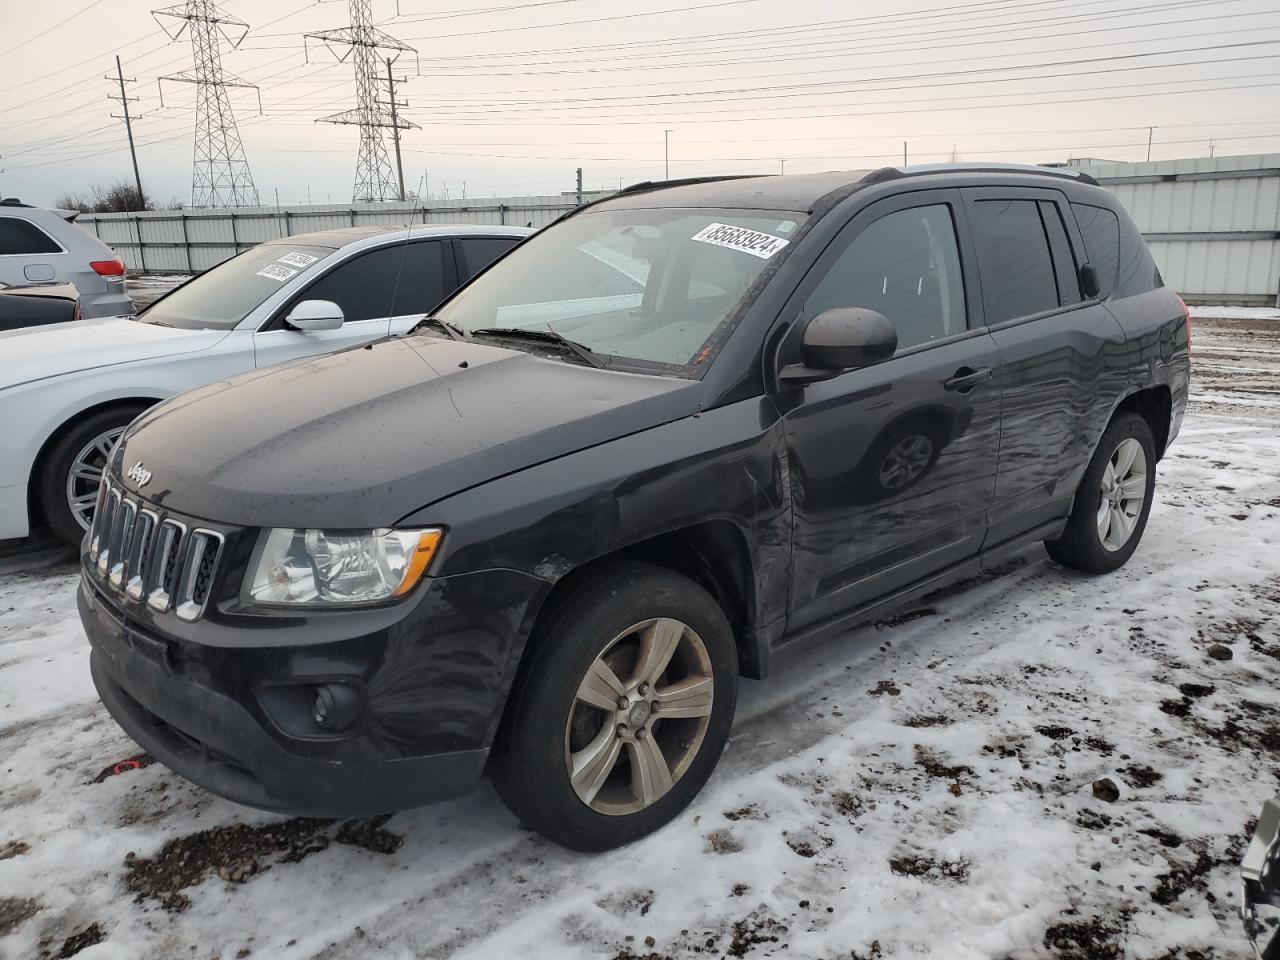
x: 1035, y: 764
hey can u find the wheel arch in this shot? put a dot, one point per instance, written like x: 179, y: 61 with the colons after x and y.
x: 38, y: 462
x: 1155, y: 405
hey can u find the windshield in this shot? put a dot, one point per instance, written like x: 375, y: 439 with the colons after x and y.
x: 647, y: 285
x: 221, y: 297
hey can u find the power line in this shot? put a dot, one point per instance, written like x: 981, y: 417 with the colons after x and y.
x: 47, y: 30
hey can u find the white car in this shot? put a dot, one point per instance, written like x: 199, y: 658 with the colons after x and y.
x: 68, y: 390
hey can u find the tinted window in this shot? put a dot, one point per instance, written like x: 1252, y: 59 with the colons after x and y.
x: 1138, y: 272
x: 1017, y: 271
x: 906, y: 265
x: 476, y: 253
x: 391, y: 281
x: 1101, y: 231
x: 1065, y: 269
x: 21, y: 236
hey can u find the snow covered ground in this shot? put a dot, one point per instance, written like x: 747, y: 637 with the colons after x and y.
x: 919, y: 788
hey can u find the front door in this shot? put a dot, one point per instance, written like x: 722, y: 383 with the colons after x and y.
x: 381, y: 292
x: 893, y: 466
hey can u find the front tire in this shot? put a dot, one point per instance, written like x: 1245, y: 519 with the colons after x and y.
x: 68, y: 483
x: 1113, y: 500
x: 623, y: 711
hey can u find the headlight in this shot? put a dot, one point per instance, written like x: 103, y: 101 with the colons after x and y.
x: 338, y: 566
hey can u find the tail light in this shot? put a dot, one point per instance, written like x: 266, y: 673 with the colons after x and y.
x: 1186, y: 312
x: 109, y: 269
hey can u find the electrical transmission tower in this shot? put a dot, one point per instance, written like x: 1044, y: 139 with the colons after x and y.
x: 220, y: 174
x: 374, y: 177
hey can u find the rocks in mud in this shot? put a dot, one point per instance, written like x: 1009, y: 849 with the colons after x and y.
x: 238, y: 851
x: 14, y: 911
x: 82, y: 940
x: 723, y: 841
x: 883, y: 687
x: 927, y: 868
x: 1220, y: 651
x: 1106, y: 790
x: 14, y: 848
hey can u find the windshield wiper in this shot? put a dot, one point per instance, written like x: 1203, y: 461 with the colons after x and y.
x: 453, y: 332
x: 584, y: 353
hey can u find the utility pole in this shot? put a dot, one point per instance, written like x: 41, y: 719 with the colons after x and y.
x: 1210, y: 148
x: 904, y: 153
x: 1150, y: 131
x: 782, y: 166
x: 128, y: 127
x: 666, y: 155
x: 579, y: 186
x: 395, y: 126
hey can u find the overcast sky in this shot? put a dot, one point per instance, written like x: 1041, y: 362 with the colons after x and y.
x: 513, y: 95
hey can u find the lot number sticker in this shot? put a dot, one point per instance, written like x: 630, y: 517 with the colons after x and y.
x: 273, y: 271
x: 762, y: 245
x: 298, y: 259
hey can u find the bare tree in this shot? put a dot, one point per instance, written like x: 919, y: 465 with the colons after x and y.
x: 117, y: 197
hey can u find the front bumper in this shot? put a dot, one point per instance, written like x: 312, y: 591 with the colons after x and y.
x: 1260, y: 873
x: 234, y: 717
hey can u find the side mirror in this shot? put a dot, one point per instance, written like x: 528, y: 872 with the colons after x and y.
x: 315, y: 315
x: 1089, y: 284
x: 841, y: 339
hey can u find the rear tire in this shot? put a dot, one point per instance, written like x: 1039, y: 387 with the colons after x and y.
x: 72, y: 469
x: 584, y: 756
x: 1113, y: 500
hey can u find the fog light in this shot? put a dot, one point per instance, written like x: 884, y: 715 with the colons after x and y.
x: 334, y: 706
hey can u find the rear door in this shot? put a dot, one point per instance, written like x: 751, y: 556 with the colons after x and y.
x: 1057, y: 374
x: 28, y: 254
x: 382, y: 291
x: 893, y: 466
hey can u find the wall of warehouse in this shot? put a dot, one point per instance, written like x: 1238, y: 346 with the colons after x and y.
x: 1213, y: 223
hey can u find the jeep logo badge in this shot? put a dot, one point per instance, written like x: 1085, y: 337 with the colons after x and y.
x: 139, y: 474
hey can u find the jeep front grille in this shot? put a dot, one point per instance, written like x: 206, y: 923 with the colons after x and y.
x: 152, y: 558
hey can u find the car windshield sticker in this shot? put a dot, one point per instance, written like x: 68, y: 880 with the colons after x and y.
x: 762, y: 245
x: 300, y: 260
x: 273, y: 271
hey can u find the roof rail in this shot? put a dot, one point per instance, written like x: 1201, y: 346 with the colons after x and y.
x: 924, y: 169
x: 644, y: 185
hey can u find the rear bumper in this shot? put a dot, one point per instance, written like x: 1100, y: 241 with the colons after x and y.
x: 228, y: 718
x: 114, y: 303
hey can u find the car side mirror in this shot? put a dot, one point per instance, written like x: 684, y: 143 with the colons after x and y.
x: 1089, y: 284
x: 838, y: 340
x: 315, y: 315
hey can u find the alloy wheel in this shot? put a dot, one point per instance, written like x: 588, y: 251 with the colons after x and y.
x: 1124, y: 489
x: 86, y: 474
x: 639, y: 716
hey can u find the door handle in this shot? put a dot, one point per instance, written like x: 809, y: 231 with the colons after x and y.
x: 966, y: 378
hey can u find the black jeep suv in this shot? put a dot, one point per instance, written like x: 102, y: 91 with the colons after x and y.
x: 682, y: 427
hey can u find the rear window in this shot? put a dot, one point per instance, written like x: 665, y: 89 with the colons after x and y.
x: 1138, y: 273
x: 1100, y: 228
x: 19, y: 237
x: 476, y: 253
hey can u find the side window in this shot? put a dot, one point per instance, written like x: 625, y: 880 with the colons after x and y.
x: 19, y: 237
x: 906, y: 265
x: 1013, y: 253
x: 1138, y: 272
x: 421, y: 285
x: 1065, y: 269
x: 1101, y: 231
x: 476, y: 253
x: 400, y: 279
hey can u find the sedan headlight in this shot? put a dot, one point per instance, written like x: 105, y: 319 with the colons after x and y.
x: 338, y: 566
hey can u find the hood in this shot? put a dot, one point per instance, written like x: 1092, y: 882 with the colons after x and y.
x: 37, y: 353
x: 364, y: 437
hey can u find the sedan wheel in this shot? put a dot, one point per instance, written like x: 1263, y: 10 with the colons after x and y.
x: 640, y: 716
x: 86, y: 474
